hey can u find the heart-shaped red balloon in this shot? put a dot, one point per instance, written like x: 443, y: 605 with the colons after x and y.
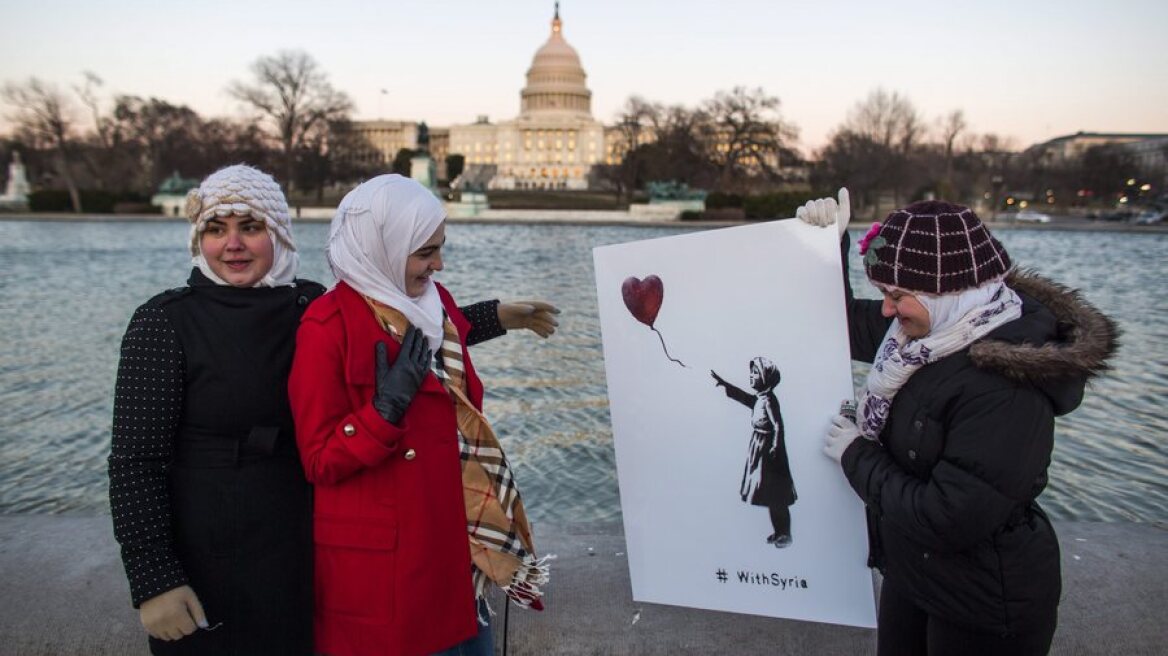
x: 643, y: 298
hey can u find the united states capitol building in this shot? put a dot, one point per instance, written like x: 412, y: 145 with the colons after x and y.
x: 552, y: 144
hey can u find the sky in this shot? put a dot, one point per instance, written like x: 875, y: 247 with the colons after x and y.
x: 1028, y: 70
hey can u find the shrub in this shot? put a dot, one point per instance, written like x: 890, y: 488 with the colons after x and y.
x: 50, y: 200
x: 93, y: 201
x: 717, y: 200
x: 779, y: 205
x: 724, y: 214
x: 57, y: 200
x: 135, y: 207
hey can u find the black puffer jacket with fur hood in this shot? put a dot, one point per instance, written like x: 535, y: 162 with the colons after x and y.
x: 951, y: 488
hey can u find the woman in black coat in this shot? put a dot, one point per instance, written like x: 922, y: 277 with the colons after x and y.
x: 209, y: 503
x: 972, y: 361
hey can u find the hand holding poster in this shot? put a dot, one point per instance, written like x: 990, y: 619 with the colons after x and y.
x: 728, y: 501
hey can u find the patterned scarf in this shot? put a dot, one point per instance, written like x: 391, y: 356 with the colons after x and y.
x: 900, y: 356
x: 501, y: 547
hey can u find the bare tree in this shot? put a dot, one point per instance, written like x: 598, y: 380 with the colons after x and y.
x: 1103, y: 171
x: 951, y: 126
x: 679, y: 151
x: 854, y: 161
x: 43, y: 113
x: 100, y: 150
x: 745, y: 132
x: 160, y: 139
x: 994, y: 154
x: 292, y: 92
x: 891, y: 122
x: 87, y: 92
x: 889, y: 119
x: 636, y: 123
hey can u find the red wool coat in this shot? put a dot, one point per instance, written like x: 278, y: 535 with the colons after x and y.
x: 392, y: 560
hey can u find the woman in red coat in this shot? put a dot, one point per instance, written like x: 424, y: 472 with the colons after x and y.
x: 410, y: 485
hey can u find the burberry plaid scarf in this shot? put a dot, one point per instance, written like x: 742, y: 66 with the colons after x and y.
x: 501, y: 547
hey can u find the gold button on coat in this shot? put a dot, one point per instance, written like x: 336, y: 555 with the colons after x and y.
x: 350, y: 431
x: 410, y: 454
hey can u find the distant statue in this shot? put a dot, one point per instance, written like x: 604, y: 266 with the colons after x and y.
x: 423, y: 138
x: 17, y: 190
x: 673, y: 190
x: 176, y: 184
x: 422, y: 166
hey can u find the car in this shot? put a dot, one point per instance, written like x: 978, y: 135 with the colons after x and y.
x: 1150, y: 217
x: 1030, y: 216
x: 1117, y: 215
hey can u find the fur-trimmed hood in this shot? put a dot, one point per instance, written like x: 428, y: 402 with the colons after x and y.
x: 1060, y: 341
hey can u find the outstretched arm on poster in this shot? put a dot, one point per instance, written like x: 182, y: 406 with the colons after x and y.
x: 734, y: 392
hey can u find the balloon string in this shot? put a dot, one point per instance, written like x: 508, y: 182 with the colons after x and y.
x: 664, y: 348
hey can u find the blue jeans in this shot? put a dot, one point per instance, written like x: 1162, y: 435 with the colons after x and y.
x: 481, y: 645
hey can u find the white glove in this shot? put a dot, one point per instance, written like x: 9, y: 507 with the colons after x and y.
x: 826, y: 211
x: 536, y: 316
x: 173, y: 614
x: 841, y: 434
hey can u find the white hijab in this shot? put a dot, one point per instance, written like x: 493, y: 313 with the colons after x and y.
x: 376, y: 227
x: 956, y: 320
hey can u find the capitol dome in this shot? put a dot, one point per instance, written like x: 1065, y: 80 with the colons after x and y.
x: 555, y: 81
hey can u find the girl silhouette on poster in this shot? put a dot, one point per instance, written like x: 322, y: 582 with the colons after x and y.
x: 766, y: 479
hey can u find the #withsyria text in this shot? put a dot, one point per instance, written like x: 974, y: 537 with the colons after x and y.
x: 771, y: 579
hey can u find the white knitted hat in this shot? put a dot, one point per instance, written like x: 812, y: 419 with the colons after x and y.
x: 239, y: 190
x: 242, y: 190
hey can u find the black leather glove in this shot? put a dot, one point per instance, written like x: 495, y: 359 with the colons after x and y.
x: 397, y: 383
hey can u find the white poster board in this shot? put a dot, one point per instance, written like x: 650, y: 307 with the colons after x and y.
x: 687, y: 453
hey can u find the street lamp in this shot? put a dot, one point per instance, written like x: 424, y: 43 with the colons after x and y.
x: 996, y: 184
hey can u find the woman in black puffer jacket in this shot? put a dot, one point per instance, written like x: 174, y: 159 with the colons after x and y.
x: 972, y: 361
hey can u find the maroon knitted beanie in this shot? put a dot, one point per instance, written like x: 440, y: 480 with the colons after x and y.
x: 934, y: 247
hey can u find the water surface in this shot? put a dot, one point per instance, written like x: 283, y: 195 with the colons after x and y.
x: 68, y: 289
